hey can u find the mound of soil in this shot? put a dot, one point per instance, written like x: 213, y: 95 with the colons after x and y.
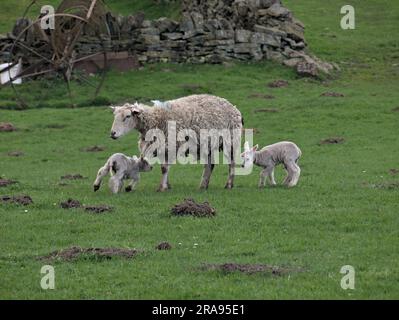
x: 395, y: 109
x: 266, y: 110
x: 74, y: 253
x: 249, y: 268
x: 75, y: 204
x: 6, y: 182
x: 72, y: 177
x: 394, y: 172
x: 22, y: 200
x: 164, y: 246
x: 261, y: 96
x: 190, y: 207
x: 70, y: 204
x: 333, y: 94
x: 98, y: 209
x: 94, y: 149
x: 7, y: 127
x: 278, y: 84
x: 15, y: 154
x: 335, y: 140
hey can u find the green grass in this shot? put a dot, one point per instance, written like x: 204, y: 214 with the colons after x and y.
x: 333, y: 218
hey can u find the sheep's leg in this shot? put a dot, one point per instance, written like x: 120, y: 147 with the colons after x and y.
x: 262, y: 178
x: 287, y: 178
x: 116, y: 183
x: 100, y: 176
x: 132, y: 185
x: 164, y: 180
x: 169, y: 185
x: 230, y: 180
x: 270, y: 174
x: 206, y: 175
x: 294, y: 172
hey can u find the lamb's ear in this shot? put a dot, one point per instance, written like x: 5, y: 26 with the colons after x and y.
x: 113, y: 108
x: 255, y: 148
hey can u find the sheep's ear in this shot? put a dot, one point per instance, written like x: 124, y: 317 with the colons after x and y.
x: 246, y: 146
x: 113, y: 108
x: 255, y: 148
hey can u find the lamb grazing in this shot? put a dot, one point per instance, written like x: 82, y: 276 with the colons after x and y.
x: 194, y: 113
x: 122, y: 167
x: 286, y: 153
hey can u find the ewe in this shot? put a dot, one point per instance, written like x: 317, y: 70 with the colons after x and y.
x: 286, y: 153
x: 193, y: 113
x: 121, y: 167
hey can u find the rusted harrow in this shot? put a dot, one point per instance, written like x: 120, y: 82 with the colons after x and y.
x: 72, y: 50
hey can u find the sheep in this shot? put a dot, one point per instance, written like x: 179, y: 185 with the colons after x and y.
x: 122, y: 167
x: 194, y: 113
x: 286, y: 153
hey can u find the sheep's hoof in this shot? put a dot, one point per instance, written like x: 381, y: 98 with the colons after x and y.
x: 96, y: 188
x: 169, y: 186
x: 228, y: 186
x: 129, y: 189
x: 162, y: 189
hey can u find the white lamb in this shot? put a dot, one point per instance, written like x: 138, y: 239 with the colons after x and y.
x: 286, y: 153
x: 122, y: 167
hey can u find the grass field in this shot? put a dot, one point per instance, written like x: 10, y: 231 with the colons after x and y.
x: 343, y: 212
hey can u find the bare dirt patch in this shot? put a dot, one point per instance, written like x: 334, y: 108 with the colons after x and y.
x: 249, y: 268
x: 93, y: 149
x: 22, y: 200
x: 191, y: 208
x: 7, y: 127
x: 6, y: 182
x: 76, y: 204
x: 278, y: 84
x: 70, y: 204
x: 73, y: 177
x: 164, y: 246
x: 334, y: 140
x: 98, y: 209
x: 261, y: 96
x: 266, y: 110
x: 333, y: 94
x: 393, y: 172
x: 15, y: 154
x: 395, y: 109
x: 75, y: 253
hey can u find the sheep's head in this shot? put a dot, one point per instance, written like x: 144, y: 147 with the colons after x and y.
x: 125, y: 119
x: 144, y: 165
x: 248, y: 156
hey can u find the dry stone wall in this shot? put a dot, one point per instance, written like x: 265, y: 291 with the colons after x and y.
x: 210, y: 31
x: 215, y: 31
